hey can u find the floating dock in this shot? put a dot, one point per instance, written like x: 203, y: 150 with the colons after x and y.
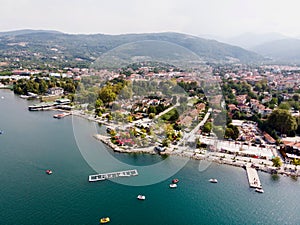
x: 253, y: 178
x: 62, y: 103
x: 42, y: 106
x: 105, y: 176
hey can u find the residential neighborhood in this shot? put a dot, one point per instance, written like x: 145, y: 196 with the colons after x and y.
x: 141, y: 96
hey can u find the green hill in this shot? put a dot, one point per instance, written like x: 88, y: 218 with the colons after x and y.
x: 64, y: 49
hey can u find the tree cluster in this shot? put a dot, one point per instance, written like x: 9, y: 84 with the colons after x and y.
x: 40, y: 85
x: 232, y: 132
x: 282, y: 121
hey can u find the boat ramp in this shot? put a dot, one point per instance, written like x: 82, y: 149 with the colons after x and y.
x: 104, y: 176
x: 253, y: 178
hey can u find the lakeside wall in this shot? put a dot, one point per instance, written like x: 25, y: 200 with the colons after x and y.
x: 211, y: 158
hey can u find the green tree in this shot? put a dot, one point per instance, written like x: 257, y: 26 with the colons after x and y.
x: 43, y: 87
x: 229, y: 133
x: 98, y: 103
x: 169, y: 130
x: 296, y: 97
x: 107, y: 95
x: 258, y: 87
x: 109, y: 117
x: 296, y: 162
x: 166, y: 142
x: 151, y: 115
x: 69, y: 87
x: 152, y: 109
x: 113, y: 133
x: 207, y: 127
x: 282, y: 121
x: 277, y: 161
x: 198, y: 143
x: 236, y: 115
x: 274, y: 101
x: 233, y: 130
x: 284, y: 105
x: 130, y: 119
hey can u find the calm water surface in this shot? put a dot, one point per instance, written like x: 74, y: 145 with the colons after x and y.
x: 33, y: 142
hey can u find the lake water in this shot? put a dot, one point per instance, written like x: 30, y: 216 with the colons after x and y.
x: 33, y: 142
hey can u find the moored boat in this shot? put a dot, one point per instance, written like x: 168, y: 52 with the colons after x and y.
x: 173, y: 185
x: 24, y: 96
x: 259, y: 190
x: 49, y: 172
x: 61, y: 115
x: 213, y: 180
x: 141, y: 197
x: 175, y: 181
x: 105, y: 220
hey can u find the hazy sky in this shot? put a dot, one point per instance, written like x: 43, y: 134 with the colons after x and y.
x: 216, y: 17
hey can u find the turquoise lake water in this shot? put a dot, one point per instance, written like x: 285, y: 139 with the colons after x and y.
x: 33, y: 142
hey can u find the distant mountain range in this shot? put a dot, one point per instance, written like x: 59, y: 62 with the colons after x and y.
x: 61, y: 48
x: 27, y: 31
x: 284, y: 50
x: 275, y: 46
x: 251, y: 40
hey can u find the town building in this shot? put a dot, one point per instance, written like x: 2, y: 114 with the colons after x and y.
x: 55, y: 91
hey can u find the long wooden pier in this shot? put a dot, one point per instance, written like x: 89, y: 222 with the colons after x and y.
x: 253, y: 178
x: 104, y: 176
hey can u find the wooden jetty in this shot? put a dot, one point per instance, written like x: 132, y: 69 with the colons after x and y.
x: 104, y: 176
x: 253, y: 178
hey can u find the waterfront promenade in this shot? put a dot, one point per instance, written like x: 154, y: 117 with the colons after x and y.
x: 217, y: 156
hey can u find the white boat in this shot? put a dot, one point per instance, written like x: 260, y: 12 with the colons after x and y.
x: 141, y: 197
x: 173, y: 185
x: 24, y: 96
x: 213, y: 180
x: 49, y: 172
x: 259, y: 190
x: 105, y: 220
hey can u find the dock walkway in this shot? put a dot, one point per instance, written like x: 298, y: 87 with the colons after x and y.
x: 104, y: 176
x: 253, y: 178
